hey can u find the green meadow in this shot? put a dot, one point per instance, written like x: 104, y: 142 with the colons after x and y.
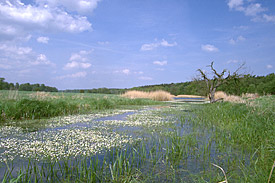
x: 75, y: 137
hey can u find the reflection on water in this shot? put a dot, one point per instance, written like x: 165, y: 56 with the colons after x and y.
x: 167, y: 131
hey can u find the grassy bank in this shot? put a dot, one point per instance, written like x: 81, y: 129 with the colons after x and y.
x: 16, y: 105
x: 249, y: 127
x: 180, y: 143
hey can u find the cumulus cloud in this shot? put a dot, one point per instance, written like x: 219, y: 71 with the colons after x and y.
x: 254, y: 10
x: 269, y: 18
x: 12, y: 49
x: 161, y: 63
x: 269, y: 66
x: 79, y: 60
x: 14, y: 59
x: 145, y: 78
x: 103, y: 42
x: 19, y: 19
x: 42, y: 60
x: 74, y: 64
x: 5, y: 66
x: 138, y: 72
x: 74, y: 75
x: 151, y: 46
x: 209, y: 48
x: 232, y: 61
x: 42, y: 40
x: 81, y: 55
x: 235, y: 4
x: 126, y: 71
x: 238, y: 39
x: 80, y: 6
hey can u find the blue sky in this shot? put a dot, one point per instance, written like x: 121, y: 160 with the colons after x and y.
x: 85, y: 44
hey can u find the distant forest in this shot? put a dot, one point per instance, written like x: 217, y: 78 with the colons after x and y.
x: 25, y: 87
x: 246, y: 84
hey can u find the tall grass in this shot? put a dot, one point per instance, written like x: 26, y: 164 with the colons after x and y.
x: 154, y: 95
x: 249, y: 127
x: 37, y: 105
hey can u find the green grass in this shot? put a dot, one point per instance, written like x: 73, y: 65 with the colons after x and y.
x: 31, y: 105
x: 185, y: 147
x: 248, y: 127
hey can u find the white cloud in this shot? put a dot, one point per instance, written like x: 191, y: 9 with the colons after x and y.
x: 145, y: 78
x: 81, y: 55
x: 42, y: 60
x: 15, y: 50
x: 269, y: 66
x: 160, y: 69
x: 103, y: 42
x: 15, y: 59
x: 138, y: 72
x: 126, y: 71
x: 232, y: 41
x: 238, y: 39
x: 166, y: 44
x: 74, y: 64
x: 79, y: 60
x: 80, y: 6
x: 19, y: 19
x: 235, y: 4
x: 251, y: 9
x: 4, y: 66
x: 161, y: 63
x: 209, y: 48
x: 254, y: 9
x: 74, y: 75
x: 42, y: 40
x: 269, y: 18
x: 151, y: 46
x: 232, y: 61
x: 241, y: 38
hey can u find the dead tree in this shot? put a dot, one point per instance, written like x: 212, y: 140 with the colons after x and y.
x: 218, y: 79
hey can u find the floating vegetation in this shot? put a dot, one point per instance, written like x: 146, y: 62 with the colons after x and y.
x: 181, y: 143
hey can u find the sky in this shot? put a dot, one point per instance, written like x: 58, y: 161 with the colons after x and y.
x: 85, y: 44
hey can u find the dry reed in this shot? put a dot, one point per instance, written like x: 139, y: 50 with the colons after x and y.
x: 228, y: 98
x: 155, y: 95
x: 250, y: 96
x: 13, y: 94
x: 42, y: 96
x: 225, y: 181
x: 189, y: 96
x: 220, y: 95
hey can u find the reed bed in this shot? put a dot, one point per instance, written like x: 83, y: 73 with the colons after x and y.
x: 249, y: 128
x: 236, y: 99
x: 221, y: 142
x: 154, y: 95
x: 16, y: 105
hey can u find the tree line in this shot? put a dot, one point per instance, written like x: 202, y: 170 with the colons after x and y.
x: 234, y: 86
x: 25, y: 86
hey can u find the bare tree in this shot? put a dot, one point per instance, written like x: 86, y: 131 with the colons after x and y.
x: 218, y: 79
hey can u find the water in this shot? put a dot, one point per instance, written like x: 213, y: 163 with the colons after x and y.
x: 200, y: 146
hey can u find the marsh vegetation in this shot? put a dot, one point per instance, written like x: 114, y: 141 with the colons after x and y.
x: 107, y: 138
